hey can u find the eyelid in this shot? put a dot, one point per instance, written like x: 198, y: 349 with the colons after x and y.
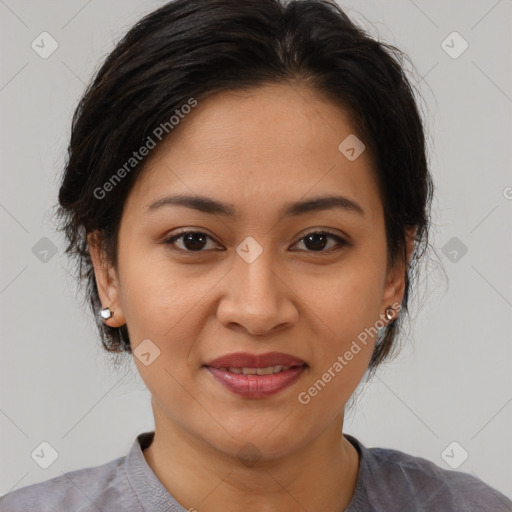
x: 327, y: 231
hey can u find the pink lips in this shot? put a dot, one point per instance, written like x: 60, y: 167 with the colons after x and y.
x: 246, y: 360
x: 256, y: 386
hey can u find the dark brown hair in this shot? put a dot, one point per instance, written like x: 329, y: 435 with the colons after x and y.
x: 191, y: 49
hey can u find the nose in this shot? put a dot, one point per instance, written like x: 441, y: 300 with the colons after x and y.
x: 257, y: 299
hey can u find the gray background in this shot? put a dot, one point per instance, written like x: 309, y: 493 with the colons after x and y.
x: 452, y: 380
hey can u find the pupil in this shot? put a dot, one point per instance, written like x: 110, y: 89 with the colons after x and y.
x: 314, y: 237
x: 191, y: 241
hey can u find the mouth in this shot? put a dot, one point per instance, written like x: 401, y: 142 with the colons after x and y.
x: 270, y: 370
x: 256, y: 375
x: 255, y: 361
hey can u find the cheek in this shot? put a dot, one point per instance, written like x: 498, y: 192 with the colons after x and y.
x: 348, y: 300
x: 342, y: 356
x: 347, y: 313
x: 165, y: 313
x: 153, y: 296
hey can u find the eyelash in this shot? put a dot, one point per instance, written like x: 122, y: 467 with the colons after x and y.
x: 341, y: 242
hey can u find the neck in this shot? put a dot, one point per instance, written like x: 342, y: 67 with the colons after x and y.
x: 319, y: 476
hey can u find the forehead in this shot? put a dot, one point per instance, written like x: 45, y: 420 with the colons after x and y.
x: 260, y: 147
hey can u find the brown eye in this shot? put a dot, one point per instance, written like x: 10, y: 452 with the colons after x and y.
x: 318, y: 240
x: 191, y: 241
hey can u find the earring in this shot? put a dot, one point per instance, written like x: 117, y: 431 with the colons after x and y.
x: 106, y: 313
x: 390, y: 313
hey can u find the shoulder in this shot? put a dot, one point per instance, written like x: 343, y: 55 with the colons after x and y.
x: 103, y: 487
x: 390, y: 478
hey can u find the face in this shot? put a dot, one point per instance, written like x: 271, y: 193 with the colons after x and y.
x: 260, y: 285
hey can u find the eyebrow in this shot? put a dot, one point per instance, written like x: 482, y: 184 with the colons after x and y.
x: 212, y: 206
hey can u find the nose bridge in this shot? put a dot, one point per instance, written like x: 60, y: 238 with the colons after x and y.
x: 253, y: 267
x: 256, y: 298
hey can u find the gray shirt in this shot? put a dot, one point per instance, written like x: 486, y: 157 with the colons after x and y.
x: 388, y: 480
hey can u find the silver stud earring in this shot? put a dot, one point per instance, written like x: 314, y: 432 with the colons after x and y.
x: 390, y: 313
x: 106, y: 313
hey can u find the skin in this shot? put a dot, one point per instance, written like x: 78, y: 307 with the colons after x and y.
x: 257, y: 149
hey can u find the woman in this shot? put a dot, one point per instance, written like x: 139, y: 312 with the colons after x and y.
x: 248, y: 197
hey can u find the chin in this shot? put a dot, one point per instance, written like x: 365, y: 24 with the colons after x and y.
x: 250, y: 445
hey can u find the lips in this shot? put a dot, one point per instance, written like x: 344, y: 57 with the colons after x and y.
x: 246, y: 360
x: 256, y: 375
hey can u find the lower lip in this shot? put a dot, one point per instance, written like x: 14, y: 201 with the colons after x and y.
x: 257, y: 386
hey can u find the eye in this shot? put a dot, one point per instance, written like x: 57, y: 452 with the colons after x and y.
x: 193, y: 241
x: 317, y: 241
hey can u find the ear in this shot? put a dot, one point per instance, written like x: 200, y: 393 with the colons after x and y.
x: 394, y: 288
x: 107, y: 282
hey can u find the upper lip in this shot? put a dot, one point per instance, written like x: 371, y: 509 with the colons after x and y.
x: 246, y: 360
